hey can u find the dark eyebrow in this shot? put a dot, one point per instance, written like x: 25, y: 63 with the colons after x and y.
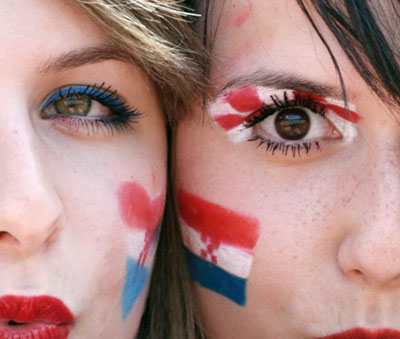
x: 80, y: 57
x: 285, y: 81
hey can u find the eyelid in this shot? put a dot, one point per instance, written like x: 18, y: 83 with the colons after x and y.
x: 98, y: 92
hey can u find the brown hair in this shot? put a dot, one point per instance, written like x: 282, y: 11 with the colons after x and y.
x: 155, y: 35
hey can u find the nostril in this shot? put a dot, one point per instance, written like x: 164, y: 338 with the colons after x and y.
x: 6, y: 237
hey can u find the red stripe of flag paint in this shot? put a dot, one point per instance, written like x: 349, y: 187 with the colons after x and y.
x: 218, y: 223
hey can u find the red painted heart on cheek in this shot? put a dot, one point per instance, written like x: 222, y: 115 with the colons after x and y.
x: 140, y: 212
x: 137, y: 209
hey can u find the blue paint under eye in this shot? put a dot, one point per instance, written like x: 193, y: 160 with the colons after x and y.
x: 135, y: 282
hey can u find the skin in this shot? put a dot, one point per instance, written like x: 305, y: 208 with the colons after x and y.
x: 327, y: 257
x: 62, y: 232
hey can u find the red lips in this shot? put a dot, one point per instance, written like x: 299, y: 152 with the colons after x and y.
x: 40, y: 317
x: 360, y: 333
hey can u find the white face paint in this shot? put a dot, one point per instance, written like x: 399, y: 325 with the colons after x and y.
x: 327, y: 116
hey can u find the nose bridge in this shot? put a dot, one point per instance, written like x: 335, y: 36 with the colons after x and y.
x: 372, y: 246
x: 30, y: 209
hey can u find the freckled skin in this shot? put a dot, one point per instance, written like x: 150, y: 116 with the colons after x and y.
x: 327, y: 255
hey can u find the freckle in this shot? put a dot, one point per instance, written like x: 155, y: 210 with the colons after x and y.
x: 355, y: 95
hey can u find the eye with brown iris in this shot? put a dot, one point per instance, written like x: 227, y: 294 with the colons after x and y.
x: 73, y: 105
x: 292, y: 123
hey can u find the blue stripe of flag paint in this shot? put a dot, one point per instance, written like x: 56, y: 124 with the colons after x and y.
x: 135, y: 281
x: 216, y: 279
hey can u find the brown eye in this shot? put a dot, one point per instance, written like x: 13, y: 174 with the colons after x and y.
x: 292, y: 123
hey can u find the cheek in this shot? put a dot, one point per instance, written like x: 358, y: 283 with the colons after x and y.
x: 142, y: 217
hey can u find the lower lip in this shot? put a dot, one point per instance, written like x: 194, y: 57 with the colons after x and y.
x: 359, y: 333
x: 34, y: 331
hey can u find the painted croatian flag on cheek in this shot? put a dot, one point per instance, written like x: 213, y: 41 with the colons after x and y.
x: 143, y: 216
x: 219, y: 245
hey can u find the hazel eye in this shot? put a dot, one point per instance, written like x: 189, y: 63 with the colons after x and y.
x: 292, y: 123
x: 73, y: 105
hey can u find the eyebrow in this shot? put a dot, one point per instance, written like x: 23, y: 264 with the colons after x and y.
x: 85, y: 56
x: 284, y: 81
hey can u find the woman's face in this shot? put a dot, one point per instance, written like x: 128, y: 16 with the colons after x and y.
x: 289, y: 203
x: 82, y: 182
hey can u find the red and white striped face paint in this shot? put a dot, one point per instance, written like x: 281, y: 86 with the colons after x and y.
x: 219, y: 242
x: 235, y: 109
x: 142, y: 215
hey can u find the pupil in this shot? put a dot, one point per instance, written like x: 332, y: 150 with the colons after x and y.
x: 292, y: 123
x: 73, y: 105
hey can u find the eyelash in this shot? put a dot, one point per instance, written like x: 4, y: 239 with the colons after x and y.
x: 301, y: 100
x: 121, y: 118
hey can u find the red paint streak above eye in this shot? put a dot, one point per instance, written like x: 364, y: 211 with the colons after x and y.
x: 244, y: 99
x: 344, y: 113
x: 229, y: 121
x: 220, y: 224
x: 138, y: 211
x: 339, y: 110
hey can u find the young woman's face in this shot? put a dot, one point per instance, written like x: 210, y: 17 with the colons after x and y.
x: 82, y: 182
x: 289, y: 203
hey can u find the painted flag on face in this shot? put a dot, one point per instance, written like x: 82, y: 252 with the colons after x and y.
x: 219, y: 245
x: 143, y: 216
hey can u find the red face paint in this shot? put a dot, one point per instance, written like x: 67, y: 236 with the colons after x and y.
x: 217, y: 223
x: 138, y: 211
x: 323, y: 103
x: 244, y: 99
x: 229, y: 121
x: 344, y: 113
x: 245, y: 12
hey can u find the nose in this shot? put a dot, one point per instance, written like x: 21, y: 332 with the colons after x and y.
x: 31, y: 213
x: 370, y: 251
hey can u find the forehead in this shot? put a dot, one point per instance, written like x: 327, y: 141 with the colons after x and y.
x: 272, y: 35
x: 32, y: 22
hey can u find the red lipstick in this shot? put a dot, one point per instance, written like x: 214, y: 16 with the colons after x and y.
x: 360, y: 333
x: 40, y: 317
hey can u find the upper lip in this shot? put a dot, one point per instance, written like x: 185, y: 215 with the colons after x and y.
x: 44, y: 309
x: 361, y: 333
